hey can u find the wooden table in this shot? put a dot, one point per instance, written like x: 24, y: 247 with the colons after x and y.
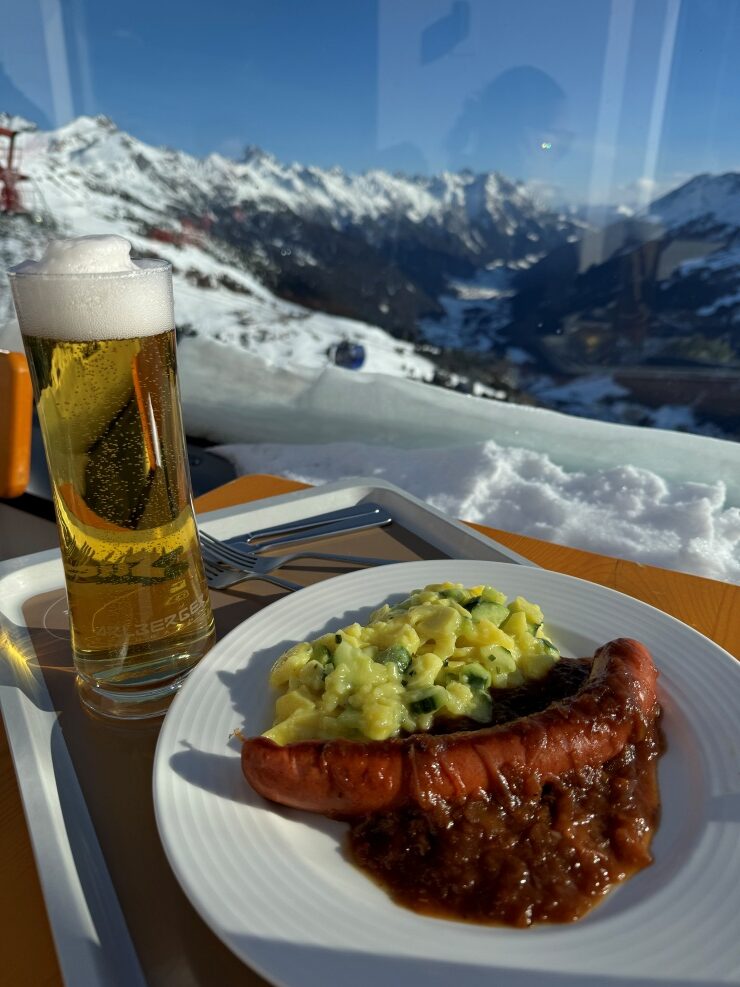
x: 26, y: 947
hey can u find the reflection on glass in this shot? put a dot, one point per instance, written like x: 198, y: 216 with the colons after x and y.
x: 530, y: 202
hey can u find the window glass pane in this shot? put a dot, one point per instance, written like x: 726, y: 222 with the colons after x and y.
x: 530, y: 202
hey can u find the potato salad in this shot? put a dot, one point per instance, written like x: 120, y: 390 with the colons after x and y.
x: 438, y: 653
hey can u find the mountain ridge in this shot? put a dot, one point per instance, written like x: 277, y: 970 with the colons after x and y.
x: 287, y: 260
x: 404, y: 236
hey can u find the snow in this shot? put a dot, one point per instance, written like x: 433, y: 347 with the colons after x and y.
x: 586, y: 391
x: 257, y: 370
x: 706, y: 202
x: 720, y: 268
x: 622, y: 511
x: 475, y: 311
x: 257, y: 401
x: 673, y: 417
x: 719, y: 259
x: 78, y: 172
x: 98, y: 146
x: 285, y: 334
x: 600, y: 397
x: 724, y: 301
x: 489, y: 283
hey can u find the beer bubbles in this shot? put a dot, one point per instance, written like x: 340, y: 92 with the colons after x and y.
x: 98, y: 329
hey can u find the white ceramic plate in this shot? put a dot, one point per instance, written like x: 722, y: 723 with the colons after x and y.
x: 275, y: 886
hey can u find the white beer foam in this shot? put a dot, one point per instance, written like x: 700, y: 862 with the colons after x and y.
x: 88, y: 288
x: 83, y: 255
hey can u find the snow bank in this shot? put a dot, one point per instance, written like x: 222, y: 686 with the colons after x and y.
x: 621, y: 511
x: 234, y: 396
x: 668, y: 499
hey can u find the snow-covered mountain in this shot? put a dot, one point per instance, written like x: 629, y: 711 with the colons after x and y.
x: 285, y: 261
x: 648, y: 307
x: 89, y: 177
x: 706, y: 206
x: 674, y: 269
x: 282, y: 259
x: 705, y: 212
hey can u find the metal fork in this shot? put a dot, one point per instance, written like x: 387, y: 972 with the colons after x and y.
x: 220, y: 577
x: 220, y: 552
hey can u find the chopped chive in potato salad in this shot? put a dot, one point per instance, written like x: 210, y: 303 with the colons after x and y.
x: 438, y: 653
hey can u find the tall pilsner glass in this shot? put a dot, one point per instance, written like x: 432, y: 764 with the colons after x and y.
x: 101, y: 349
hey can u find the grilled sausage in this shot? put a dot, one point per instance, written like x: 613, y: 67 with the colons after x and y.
x: 349, y: 778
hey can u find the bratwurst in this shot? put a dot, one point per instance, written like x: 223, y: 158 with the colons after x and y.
x: 348, y: 778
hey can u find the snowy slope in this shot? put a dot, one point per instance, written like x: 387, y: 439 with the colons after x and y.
x: 284, y: 260
x: 89, y: 177
x: 149, y: 183
x: 623, y: 511
x: 706, y: 210
x: 706, y: 205
x: 236, y: 232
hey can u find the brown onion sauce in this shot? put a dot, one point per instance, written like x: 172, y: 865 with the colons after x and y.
x: 514, y: 858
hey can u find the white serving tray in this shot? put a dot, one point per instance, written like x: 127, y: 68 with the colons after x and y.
x: 89, y: 929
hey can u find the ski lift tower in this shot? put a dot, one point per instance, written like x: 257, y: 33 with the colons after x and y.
x: 10, y: 197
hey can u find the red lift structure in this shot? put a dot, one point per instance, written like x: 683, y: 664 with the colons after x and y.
x: 10, y: 177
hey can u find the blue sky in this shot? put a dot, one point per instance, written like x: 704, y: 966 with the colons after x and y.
x: 602, y: 98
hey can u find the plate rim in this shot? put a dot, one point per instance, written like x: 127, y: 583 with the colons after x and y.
x: 160, y: 767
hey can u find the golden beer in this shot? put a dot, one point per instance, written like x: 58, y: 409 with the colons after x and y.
x: 110, y: 416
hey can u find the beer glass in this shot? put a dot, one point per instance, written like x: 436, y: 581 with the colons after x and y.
x: 101, y: 349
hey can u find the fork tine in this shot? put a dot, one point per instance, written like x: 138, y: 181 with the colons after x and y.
x: 225, y: 553
x: 212, y: 569
x: 209, y: 539
x: 214, y: 572
x: 219, y: 577
x: 212, y: 551
x: 209, y: 543
x: 210, y: 555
